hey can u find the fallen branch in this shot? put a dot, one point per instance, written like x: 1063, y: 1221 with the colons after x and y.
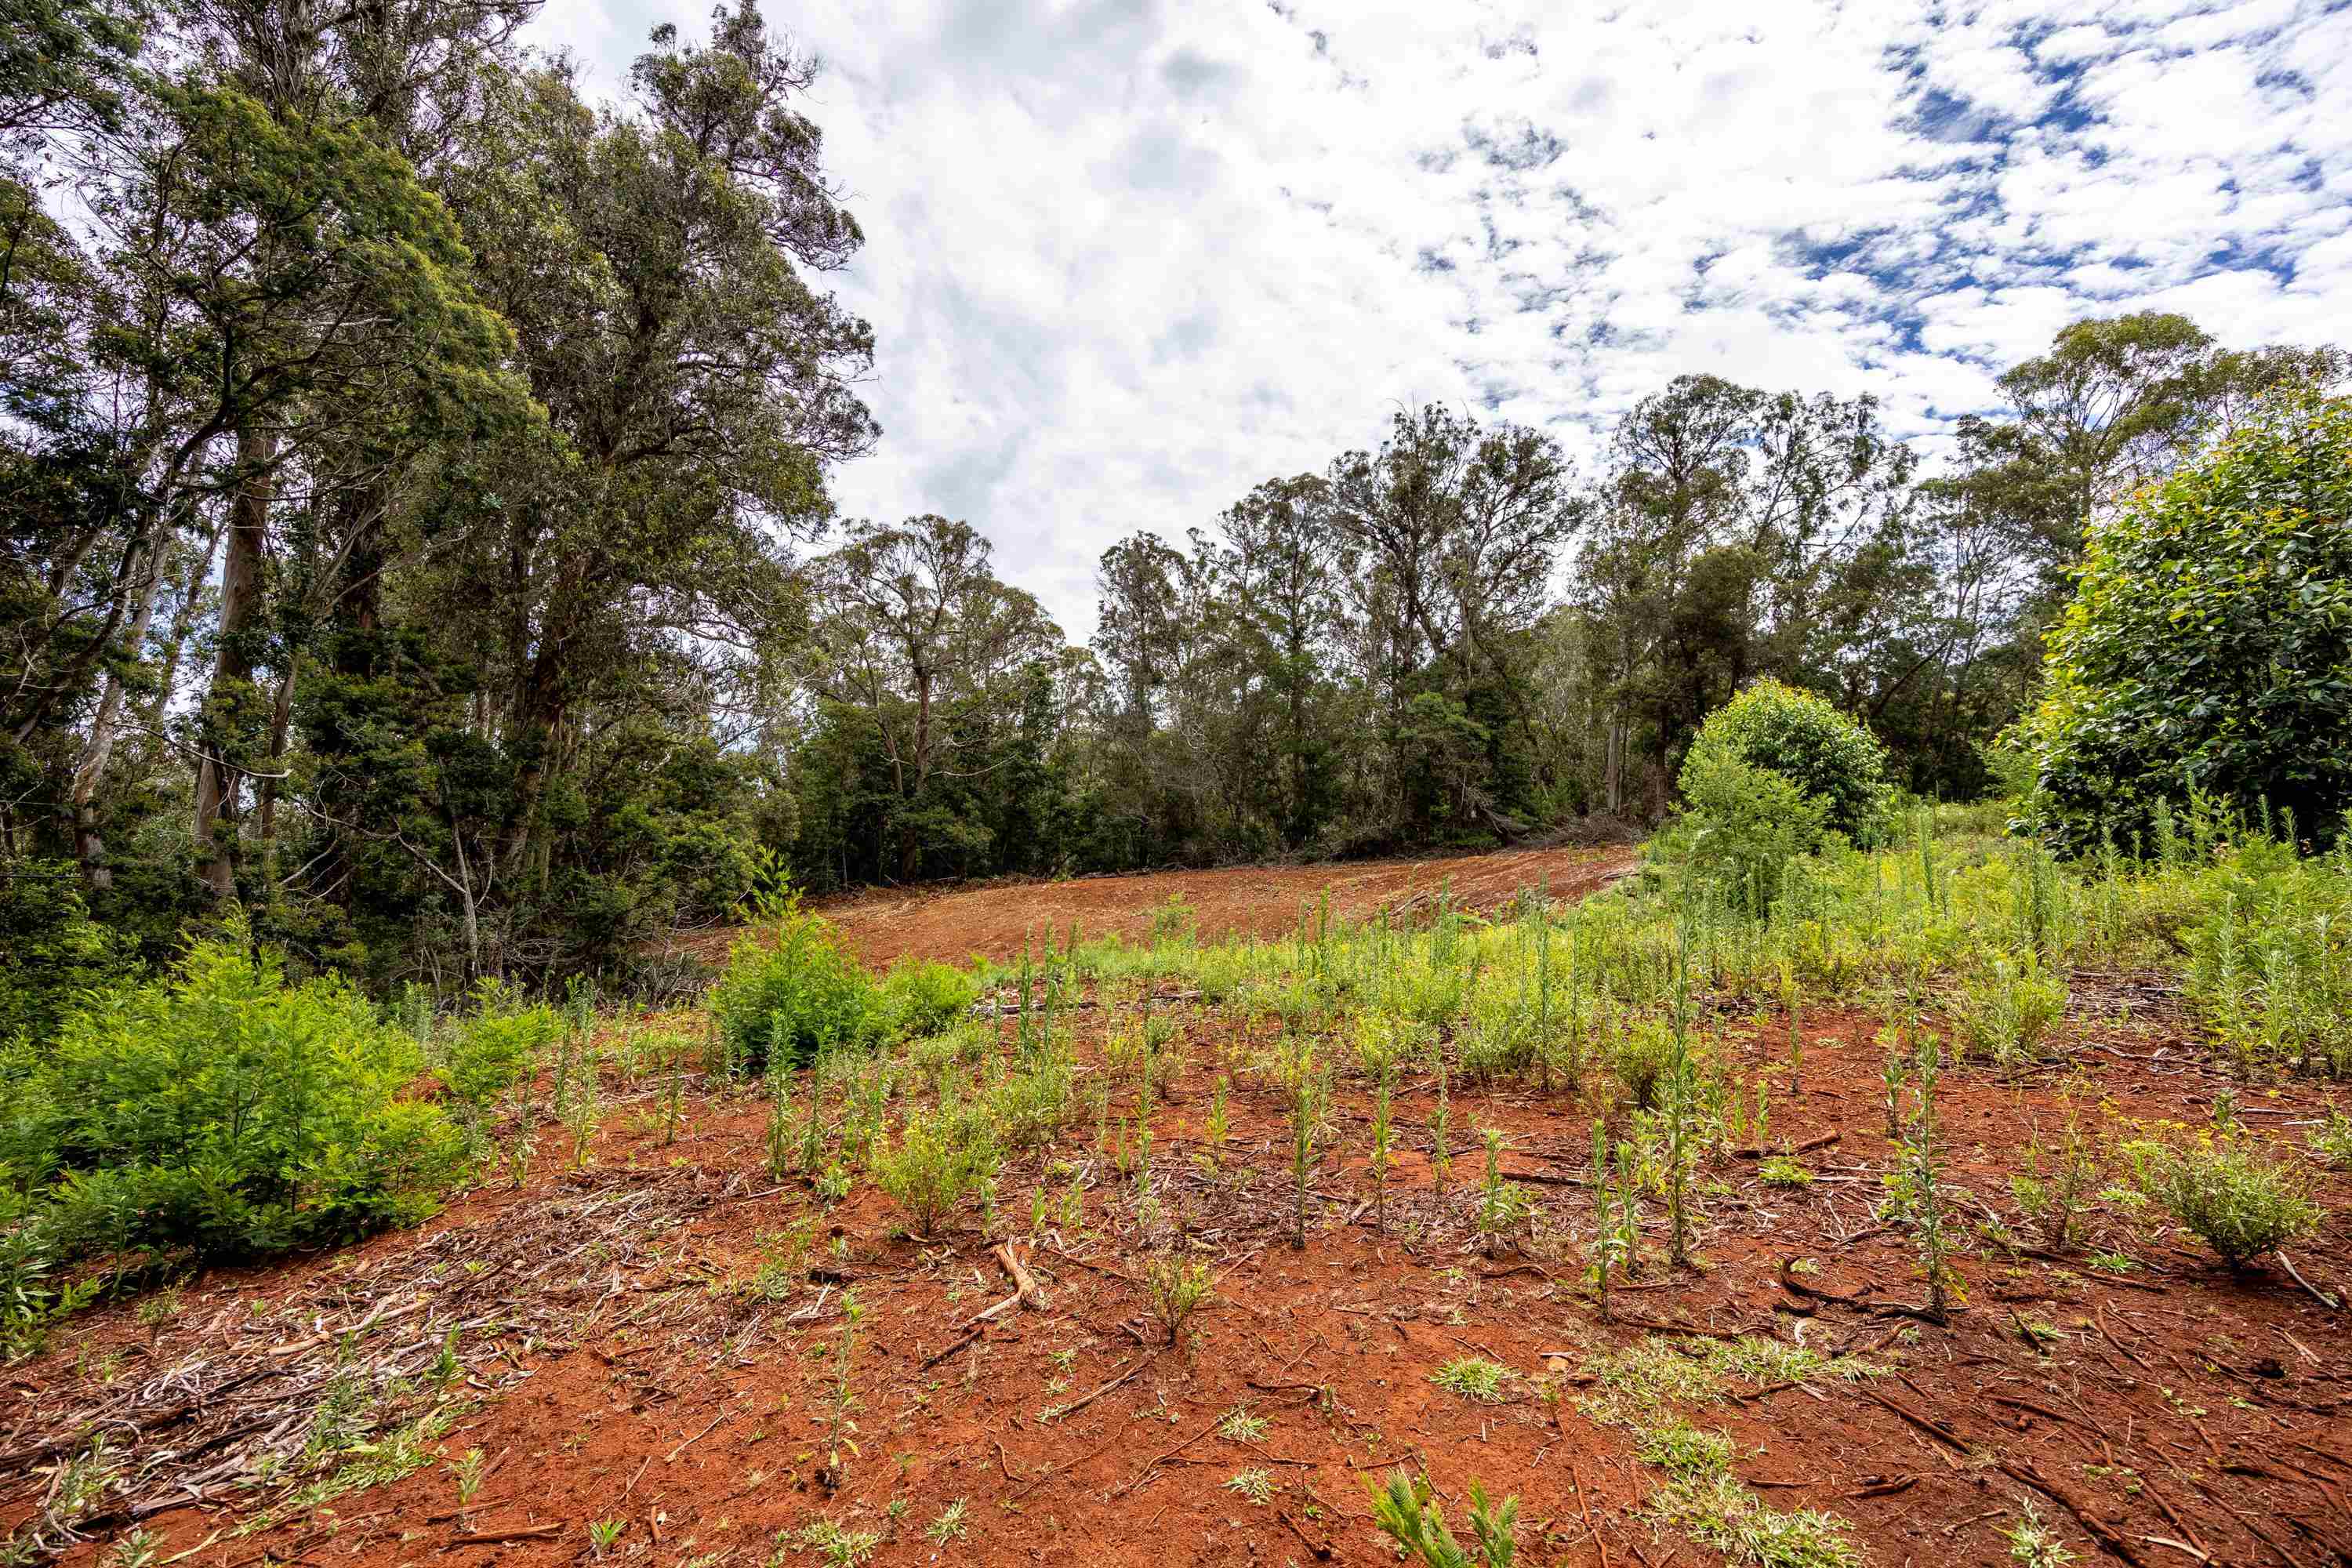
x: 1807, y: 1147
x: 1321, y: 1551
x: 500, y: 1537
x: 671, y: 1457
x: 2104, y: 1533
x: 1026, y: 1291
x: 2317, y: 1295
x: 1145, y: 1474
x: 951, y: 1350
x: 1933, y: 1428
x: 1789, y: 1282
x: 1084, y: 1400
x: 1585, y: 1508
x: 385, y: 1314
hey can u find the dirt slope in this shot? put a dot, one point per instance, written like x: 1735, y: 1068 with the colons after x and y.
x: 653, y: 1339
x: 994, y: 919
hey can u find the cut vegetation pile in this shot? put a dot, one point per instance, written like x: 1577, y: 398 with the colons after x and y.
x: 1931, y: 1204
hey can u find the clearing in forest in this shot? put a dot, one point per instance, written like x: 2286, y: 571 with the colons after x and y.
x: 1168, y: 1246
x: 995, y: 919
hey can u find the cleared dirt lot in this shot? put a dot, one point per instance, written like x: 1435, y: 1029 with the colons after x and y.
x: 993, y: 919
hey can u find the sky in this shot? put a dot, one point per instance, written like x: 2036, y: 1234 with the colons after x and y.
x: 1125, y: 260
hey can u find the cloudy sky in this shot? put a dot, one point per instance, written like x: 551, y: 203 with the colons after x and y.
x: 1125, y: 260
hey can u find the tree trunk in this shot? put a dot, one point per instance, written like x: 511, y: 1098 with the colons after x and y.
x: 216, y: 771
x: 89, y: 845
x: 183, y: 618
x: 265, y: 815
x: 1614, y: 768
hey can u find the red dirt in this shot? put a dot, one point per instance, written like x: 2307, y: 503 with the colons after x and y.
x: 624, y: 1374
x: 995, y: 919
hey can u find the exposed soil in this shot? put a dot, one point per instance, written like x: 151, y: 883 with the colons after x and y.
x: 617, y: 1366
x: 995, y: 919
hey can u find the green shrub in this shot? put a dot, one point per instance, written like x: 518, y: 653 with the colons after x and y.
x: 940, y: 1161
x: 1829, y: 756
x: 1638, y: 1053
x: 50, y: 950
x: 920, y: 998
x: 2240, y: 1201
x: 225, y: 1111
x: 2010, y: 1013
x: 790, y: 992
x: 1741, y: 827
x: 499, y: 1044
x: 1405, y: 1512
x: 1176, y: 1292
x: 2205, y: 646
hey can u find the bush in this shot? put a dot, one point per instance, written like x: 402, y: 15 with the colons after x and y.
x: 2010, y: 1013
x: 2205, y: 645
x: 790, y: 992
x: 1829, y: 756
x: 1741, y: 827
x: 498, y: 1045
x: 922, y: 998
x: 941, y: 1159
x: 50, y: 950
x: 225, y: 1113
x: 1176, y: 1292
x: 2239, y: 1200
x: 1638, y: 1053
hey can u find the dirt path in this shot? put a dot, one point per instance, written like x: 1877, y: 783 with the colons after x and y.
x: 995, y: 919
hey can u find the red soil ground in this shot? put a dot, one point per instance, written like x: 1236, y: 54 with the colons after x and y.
x: 994, y: 919
x: 617, y: 1368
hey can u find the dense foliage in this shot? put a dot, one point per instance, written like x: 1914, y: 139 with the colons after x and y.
x: 1806, y: 740
x: 2208, y: 649
x: 223, y: 1111
x: 790, y: 992
x: 416, y: 532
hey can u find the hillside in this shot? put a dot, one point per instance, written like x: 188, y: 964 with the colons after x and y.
x: 645, y: 1350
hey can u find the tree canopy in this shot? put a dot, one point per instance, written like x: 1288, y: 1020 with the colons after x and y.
x: 418, y: 541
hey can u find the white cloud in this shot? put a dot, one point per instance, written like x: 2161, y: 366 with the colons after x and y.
x: 1125, y: 260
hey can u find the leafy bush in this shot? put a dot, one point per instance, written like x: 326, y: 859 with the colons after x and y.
x: 790, y: 992
x: 1741, y: 827
x: 1639, y: 1053
x: 2010, y: 1012
x: 498, y: 1045
x: 225, y: 1111
x: 1828, y: 755
x: 2240, y: 1201
x: 940, y: 1161
x: 1176, y: 1292
x: 2205, y: 645
x: 50, y: 950
x: 922, y: 998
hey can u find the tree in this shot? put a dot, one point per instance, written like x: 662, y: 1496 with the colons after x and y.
x: 2115, y: 402
x: 1743, y: 533
x: 939, y: 658
x: 1449, y: 534
x: 2207, y: 646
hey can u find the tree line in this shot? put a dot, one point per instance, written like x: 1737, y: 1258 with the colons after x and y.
x: 1454, y: 638
x: 415, y: 533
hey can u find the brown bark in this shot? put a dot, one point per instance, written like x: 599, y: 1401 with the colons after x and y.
x: 217, y: 774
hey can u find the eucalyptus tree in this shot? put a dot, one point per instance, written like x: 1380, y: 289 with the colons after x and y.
x: 1449, y: 536
x: 938, y: 665
x: 655, y: 261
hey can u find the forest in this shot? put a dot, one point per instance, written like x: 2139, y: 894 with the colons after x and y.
x: 1727, y: 976
x: 417, y: 534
